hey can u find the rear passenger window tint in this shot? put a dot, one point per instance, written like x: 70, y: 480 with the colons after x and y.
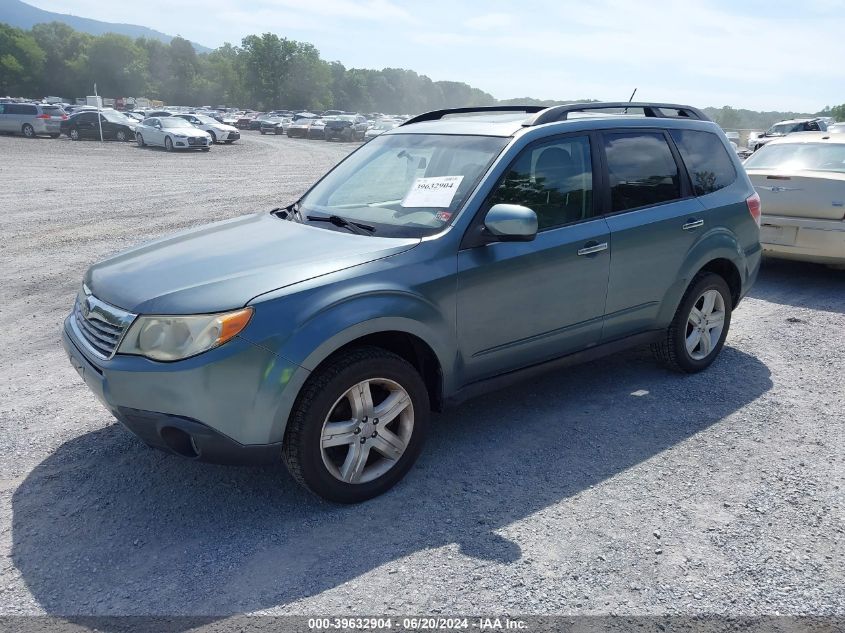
x: 642, y: 170
x: 708, y: 163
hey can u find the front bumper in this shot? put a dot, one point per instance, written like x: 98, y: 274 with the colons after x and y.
x: 228, y: 405
x: 805, y: 239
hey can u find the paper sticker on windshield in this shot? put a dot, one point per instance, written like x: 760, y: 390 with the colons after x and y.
x: 432, y: 192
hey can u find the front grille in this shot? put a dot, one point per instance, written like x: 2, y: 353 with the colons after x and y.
x: 197, y: 141
x: 234, y: 136
x: 101, y: 325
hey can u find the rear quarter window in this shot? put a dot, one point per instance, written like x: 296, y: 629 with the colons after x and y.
x: 709, y: 165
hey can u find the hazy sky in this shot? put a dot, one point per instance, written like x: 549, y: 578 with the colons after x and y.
x: 758, y: 54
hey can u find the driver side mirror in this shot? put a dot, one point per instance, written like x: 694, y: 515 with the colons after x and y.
x: 511, y: 223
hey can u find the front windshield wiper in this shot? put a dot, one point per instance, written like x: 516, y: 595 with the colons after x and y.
x: 355, y: 227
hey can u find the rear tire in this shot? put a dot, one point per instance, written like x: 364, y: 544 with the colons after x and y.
x: 73, y: 134
x: 120, y: 135
x: 353, y: 467
x: 28, y: 131
x: 700, y: 326
x: 139, y: 140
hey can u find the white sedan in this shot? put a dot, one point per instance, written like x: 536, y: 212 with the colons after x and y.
x: 801, y: 182
x: 218, y: 131
x: 171, y: 133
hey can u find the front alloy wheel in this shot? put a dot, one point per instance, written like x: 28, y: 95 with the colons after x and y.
x: 168, y: 144
x: 357, y: 426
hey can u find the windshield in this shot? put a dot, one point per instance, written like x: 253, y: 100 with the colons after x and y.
x: 172, y: 121
x: 407, y: 185
x: 783, y: 128
x: 115, y: 117
x: 799, y: 156
x: 205, y: 120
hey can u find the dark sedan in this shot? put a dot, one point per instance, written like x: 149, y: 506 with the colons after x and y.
x: 84, y: 124
x: 345, y: 127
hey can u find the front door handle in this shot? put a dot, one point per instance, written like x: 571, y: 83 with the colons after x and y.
x: 591, y: 248
x: 693, y: 224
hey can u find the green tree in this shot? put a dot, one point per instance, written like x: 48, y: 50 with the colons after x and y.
x: 183, y: 70
x: 66, y: 57
x: 21, y: 61
x: 117, y: 65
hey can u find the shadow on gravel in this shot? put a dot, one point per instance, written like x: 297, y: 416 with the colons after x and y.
x: 801, y: 284
x: 106, y: 526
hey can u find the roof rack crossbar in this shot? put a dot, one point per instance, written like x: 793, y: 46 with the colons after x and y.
x: 436, y: 115
x: 561, y: 112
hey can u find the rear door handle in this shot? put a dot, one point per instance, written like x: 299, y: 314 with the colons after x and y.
x: 692, y: 224
x: 591, y: 248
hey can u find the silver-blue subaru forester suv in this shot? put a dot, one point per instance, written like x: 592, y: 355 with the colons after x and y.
x: 463, y: 250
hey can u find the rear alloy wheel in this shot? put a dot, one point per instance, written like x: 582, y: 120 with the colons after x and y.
x: 28, y: 130
x: 357, y: 426
x: 262, y: 131
x: 121, y: 136
x: 701, y: 323
x: 168, y: 144
x: 74, y: 134
x: 139, y: 139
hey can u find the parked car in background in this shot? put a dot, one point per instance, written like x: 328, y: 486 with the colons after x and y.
x: 801, y: 182
x: 255, y: 123
x: 135, y: 116
x: 836, y: 128
x: 218, y: 131
x: 275, y: 125
x: 786, y: 127
x: 172, y: 133
x: 299, y: 128
x: 158, y: 113
x: 84, y: 125
x: 447, y: 257
x: 317, y: 127
x: 244, y: 121
x: 379, y: 127
x: 345, y: 127
x: 31, y: 119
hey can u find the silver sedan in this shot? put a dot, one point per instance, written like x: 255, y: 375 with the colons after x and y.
x: 172, y: 133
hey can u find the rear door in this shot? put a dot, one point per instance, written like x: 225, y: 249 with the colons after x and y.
x: 85, y: 124
x: 521, y: 303
x: 654, y: 221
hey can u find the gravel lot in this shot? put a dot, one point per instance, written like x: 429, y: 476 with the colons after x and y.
x: 720, y: 493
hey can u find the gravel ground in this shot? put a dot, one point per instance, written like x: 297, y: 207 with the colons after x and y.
x: 614, y: 487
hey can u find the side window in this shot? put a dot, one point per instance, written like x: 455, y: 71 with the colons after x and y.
x: 641, y: 169
x: 2, y: 108
x: 554, y: 179
x: 708, y: 163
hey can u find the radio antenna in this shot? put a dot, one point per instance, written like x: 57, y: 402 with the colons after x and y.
x: 630, y: 99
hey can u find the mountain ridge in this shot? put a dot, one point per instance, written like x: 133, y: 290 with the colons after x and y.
x: 24, y: 16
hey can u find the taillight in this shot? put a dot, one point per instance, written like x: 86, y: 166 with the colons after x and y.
x: 64, y: 117
x: 754, y: 206
x: 43, y: 116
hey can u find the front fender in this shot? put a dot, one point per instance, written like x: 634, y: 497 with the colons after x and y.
x: 718, y: 243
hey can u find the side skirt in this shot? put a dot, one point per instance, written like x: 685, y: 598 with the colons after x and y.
x: 503, y: 381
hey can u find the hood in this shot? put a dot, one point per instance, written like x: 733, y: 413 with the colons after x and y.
x: 224, y: 127
x: 222, y: 266
x: 187, y: 131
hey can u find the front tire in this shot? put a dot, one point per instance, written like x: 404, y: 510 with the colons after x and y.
x: 357, y: 426
x: 698, y: 331
x: 168, y: 144
x: 213, y: 137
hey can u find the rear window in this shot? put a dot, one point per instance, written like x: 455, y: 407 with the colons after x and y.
x: 642, y: 170
x: 708, y: 163
x: 52, y: 110
x: 800, y: 157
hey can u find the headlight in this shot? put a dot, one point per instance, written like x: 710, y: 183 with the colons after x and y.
x: 169, y: 338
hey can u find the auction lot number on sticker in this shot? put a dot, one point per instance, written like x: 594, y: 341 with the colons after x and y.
x: 416, y: 624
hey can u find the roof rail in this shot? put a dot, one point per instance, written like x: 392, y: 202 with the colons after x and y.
x: 656, y: 110
x: 436, y: 115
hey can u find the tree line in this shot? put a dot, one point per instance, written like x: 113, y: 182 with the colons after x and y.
x: 264, y: 72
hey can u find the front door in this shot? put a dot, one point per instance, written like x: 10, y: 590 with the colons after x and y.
x: 520, y: 303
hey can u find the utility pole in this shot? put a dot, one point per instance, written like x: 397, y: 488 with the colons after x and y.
x: 99, y: 119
